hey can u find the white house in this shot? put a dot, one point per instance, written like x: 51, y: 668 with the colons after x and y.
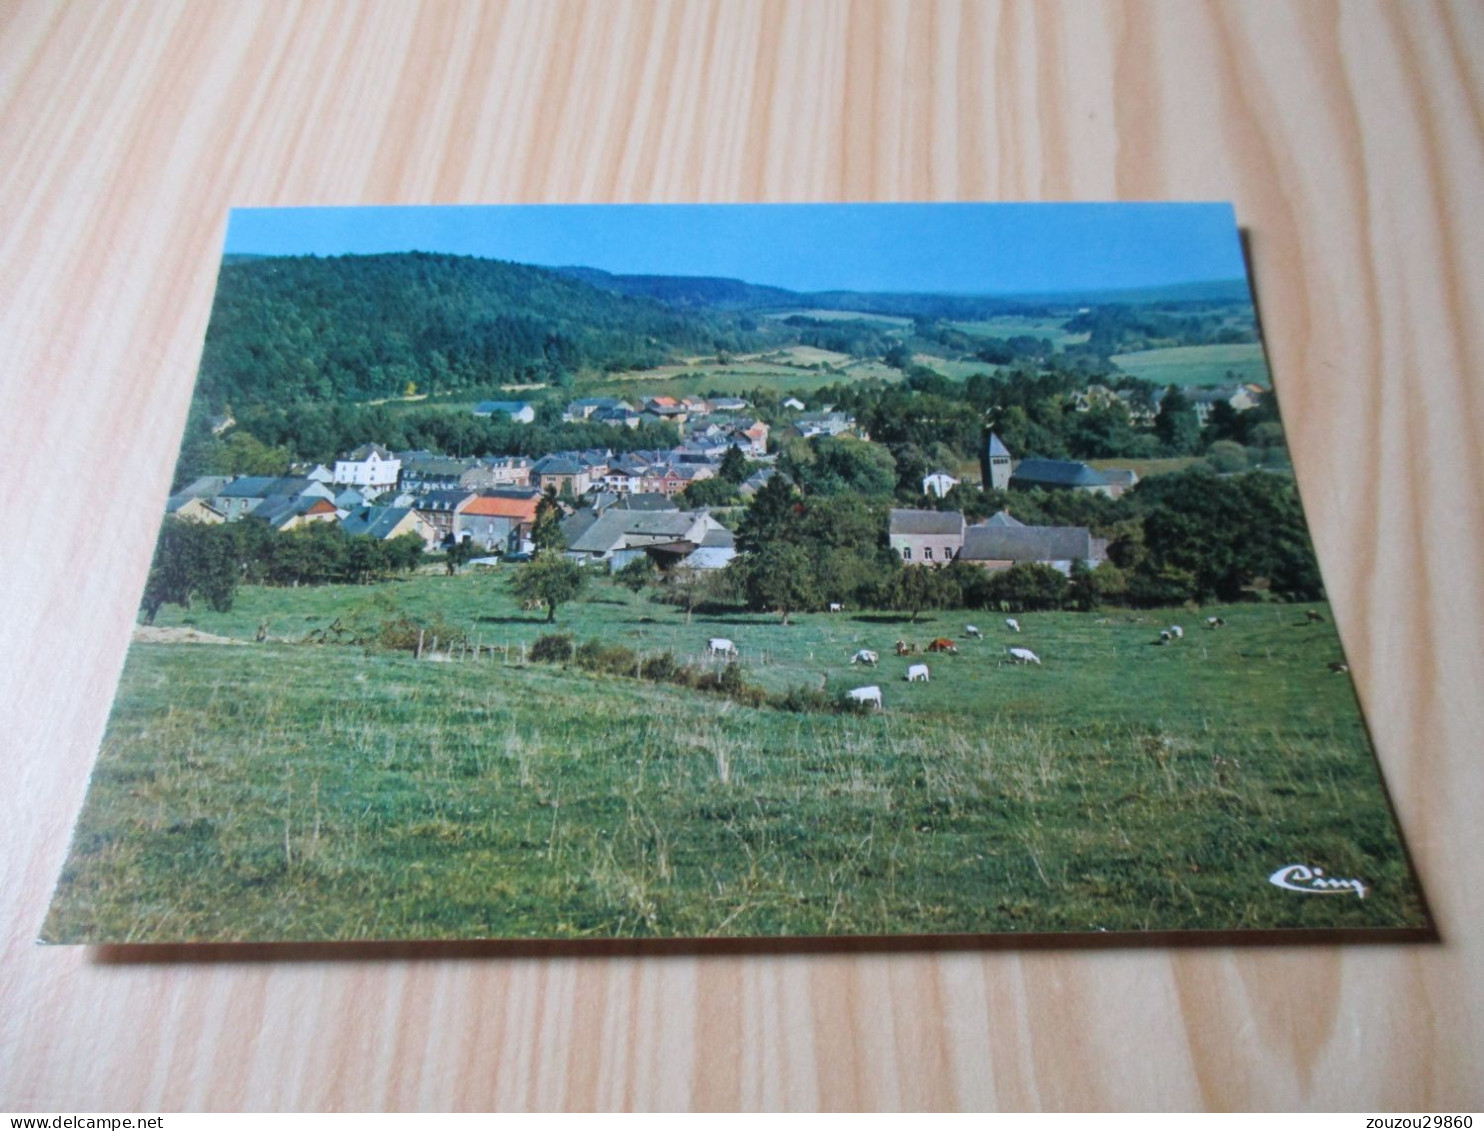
x: 938, y: 483
x: 369, y: 466
x: 519, y: 411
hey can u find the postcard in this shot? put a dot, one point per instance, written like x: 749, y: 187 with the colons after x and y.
x: 734, y: 571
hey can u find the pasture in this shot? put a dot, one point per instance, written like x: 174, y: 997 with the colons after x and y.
x: 1199, y: 365
x: 297, y: 791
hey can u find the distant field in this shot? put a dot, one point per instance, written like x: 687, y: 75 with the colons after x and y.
x: 843, y: 316
x: 1009, y: 326
x: 1198, y: 365
x: 287, y: 790
x: 954, y: 369
x: 744, y: 374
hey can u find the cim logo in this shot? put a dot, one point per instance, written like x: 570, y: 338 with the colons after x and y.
x: 1313, y: 881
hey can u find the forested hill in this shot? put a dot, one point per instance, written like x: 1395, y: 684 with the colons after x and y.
x: 360, y: 327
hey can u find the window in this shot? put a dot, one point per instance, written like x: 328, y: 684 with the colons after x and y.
x: 927, y: 553
x: 906, y: 553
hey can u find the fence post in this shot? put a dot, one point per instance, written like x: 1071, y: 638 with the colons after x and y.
x: 419, y: 655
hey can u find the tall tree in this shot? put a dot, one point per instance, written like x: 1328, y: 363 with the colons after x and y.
x: 550, y: 579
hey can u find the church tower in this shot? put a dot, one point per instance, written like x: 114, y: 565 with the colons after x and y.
x: 994, y: 463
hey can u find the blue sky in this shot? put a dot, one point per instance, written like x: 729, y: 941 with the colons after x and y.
x: 949, y: 248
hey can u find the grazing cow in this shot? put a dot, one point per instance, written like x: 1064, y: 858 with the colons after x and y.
x: 836, y: 607
x: 865, y: 656
x: 1164, y: 636
x: 721, y: 646
x: 1023, y: 656
x: 1339, y: 666
x: 1012, y: 624
x: 1215, y: 622
x: 1177, y: 632
x: 918, y: 673
x: 973, y: 630
x: 905, y: 649
x: 870, y: 694
x: 943, y: 644
x: 1313, y: 617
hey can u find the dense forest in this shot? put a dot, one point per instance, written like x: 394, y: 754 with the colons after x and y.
x: 357, y: 328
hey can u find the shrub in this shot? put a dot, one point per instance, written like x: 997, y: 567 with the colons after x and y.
x: 555, y: 648
x: 609, y: 659
x: 660, y: 669
x: 805, y: 700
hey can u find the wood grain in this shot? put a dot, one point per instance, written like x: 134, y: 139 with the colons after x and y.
x: 1350, y: 136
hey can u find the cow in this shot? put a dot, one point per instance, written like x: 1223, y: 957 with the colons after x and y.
x: 870, y: 694
x: 1164, y: 636
x: 972, y: 630
x: 1339, y: 667
x: 865, y: 656
x: 1313, y: 617
x: 1215, y: 622
x: 1177, y: 632
x: 1012, y: 624
x: 905, y: 649
x: 918, y: 673
x: 942, y: 644
x: 836, y: 607
x: 721, y: 646
x: 1023, y: 656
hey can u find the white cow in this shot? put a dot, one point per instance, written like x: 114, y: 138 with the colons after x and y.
x: 918, y: 673
x: 1177, y: 632
x: 1215, y: 622
x: 1012, y: 624
x: 1023, y: 656
x: 870, y: 694
x: 836, y: 607
x: 973, y: 630
x: 721, y: 646
x: 865, y: 656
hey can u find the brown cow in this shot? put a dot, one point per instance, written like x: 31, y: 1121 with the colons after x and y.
x: 942, y: 644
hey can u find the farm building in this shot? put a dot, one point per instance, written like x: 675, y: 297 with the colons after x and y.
x: 493, y: 472
x: 585, y: 407
x: 427, y: 470
x: 997, y: 545
x: 193, y: 509
x: 520, y: 412
x: 925, y: 537
x: 1061, y: 475
x: 245, y: 494
x: 619, y: 536
x: 283, y: 513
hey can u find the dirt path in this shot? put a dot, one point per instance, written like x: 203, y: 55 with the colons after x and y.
x: 153, y: 634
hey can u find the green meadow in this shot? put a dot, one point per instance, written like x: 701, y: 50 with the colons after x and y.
x: 293, y: 790
x: 1199, y: 365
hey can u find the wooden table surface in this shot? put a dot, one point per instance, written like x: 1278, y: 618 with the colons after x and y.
x: 1349, y: 137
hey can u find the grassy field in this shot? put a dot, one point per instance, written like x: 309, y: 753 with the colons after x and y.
x: 288, y: 790
x: 1198, y: 365
x: 1010, y: 326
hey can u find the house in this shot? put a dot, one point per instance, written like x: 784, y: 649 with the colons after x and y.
x: 754, y: 482
x: 496, y: 519
x: 1000, y: 545
x: 751, y: 436
x: 371, y: 466
x: 244, y: 495
x: 494, y: 472
x: 561, y: 473
x: 283, y: 513
x: 925, y: 537
x: 520, y: 412
x: 386, y: 523
x: 938, y: 483
x: 625, y: 474
x: 1058, y: 475
x: 728, y: 404
x: 994, y: 464
x: 206, y: 487
x: 585, y: 407
x: 793, y: 403
x: 1240, y: 398
x: 622, y: 417
x: 439, y: 508
x: 811, y: 424
x: 192, y: 508
x: 426, y: 470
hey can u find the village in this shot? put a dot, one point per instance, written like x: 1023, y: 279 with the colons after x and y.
x: 616, y: 507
